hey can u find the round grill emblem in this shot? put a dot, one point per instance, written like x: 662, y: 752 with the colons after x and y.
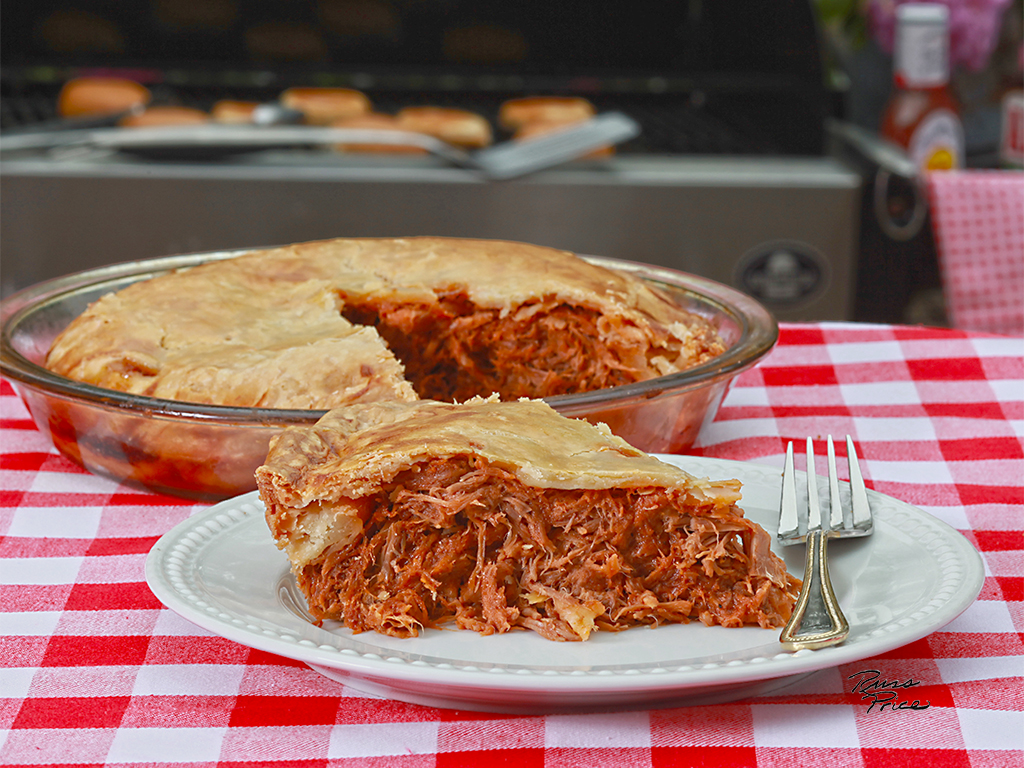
x: 784, y: 274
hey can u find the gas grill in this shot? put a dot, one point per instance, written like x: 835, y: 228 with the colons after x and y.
x: 729, y: 178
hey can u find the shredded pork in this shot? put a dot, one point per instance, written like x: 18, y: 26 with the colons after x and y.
x: 454, y: 350
x: 463, y: 541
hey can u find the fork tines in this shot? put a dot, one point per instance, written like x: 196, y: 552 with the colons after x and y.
x: 789, y: 520
x: 861, y: 509
x: 858, y: 521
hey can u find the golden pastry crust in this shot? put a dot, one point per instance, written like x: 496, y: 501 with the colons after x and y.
x: 226, y: 335
x: 496, y: 515
x: 301, y: 317
x: 352, y: 450
x: 315, y: 479
x: 497, y: 274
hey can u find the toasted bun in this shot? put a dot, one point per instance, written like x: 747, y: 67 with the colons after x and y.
x: 455, y: 126
x: 378, y: 122
x: 546, y: 109
x: 227, y: 111
x: 100, y: 96
x: 158, y: 116
x: 323, y: 106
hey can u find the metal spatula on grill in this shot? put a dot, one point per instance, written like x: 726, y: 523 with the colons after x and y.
x: 213, y: 141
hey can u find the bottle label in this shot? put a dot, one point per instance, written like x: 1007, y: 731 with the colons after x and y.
x: 938, y: 142
x: 922, y: 58
x: 1011, y: 149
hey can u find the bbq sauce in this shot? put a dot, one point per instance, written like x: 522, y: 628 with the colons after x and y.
x: 922, y: 115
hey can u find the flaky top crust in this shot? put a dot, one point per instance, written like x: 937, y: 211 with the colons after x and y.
x: 495, y: 274
x: 272, y: 306
x: 214, y: 335
x: 317, y: 480
x: 353, y: 452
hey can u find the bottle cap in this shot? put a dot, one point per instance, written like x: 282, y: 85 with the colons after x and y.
x: 922, y: 13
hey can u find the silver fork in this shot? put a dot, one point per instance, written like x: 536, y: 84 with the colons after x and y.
x: 817, y: 620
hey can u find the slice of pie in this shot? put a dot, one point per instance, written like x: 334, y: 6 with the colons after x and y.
x: 494, y: 516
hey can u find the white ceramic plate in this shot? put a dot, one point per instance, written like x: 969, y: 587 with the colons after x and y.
x: 220, y: 570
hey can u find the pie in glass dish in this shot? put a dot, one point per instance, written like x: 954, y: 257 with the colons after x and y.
x: 323, y: 324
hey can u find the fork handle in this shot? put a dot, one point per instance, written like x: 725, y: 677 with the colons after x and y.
x: 817, y: 621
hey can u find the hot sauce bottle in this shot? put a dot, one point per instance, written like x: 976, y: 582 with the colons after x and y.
x: 922, y: 116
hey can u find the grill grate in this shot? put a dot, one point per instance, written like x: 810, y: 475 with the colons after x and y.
x: 671, y: 124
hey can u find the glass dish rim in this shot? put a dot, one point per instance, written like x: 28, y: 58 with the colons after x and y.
x: 758, y: 334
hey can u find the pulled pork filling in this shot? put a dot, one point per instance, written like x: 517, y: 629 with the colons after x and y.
x: 463, y: 541
x: 454, y: 350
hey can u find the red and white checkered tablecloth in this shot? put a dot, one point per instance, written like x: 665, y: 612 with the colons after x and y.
x: 978, y: 221
x: 93, y: 670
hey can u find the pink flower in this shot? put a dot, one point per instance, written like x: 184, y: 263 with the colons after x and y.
x: 973, y: 27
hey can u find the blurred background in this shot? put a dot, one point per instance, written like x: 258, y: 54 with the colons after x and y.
x: 738, y: 173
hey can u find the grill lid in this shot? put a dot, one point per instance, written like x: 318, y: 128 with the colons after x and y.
x: 729, y: 76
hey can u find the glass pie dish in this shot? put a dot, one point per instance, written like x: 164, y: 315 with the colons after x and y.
x: 209, y: 452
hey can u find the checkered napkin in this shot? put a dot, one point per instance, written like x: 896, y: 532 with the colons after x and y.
x: 978, y: 220
x: 93, y: 670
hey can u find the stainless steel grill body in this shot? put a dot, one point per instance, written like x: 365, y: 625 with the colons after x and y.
x: 785, y: 229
